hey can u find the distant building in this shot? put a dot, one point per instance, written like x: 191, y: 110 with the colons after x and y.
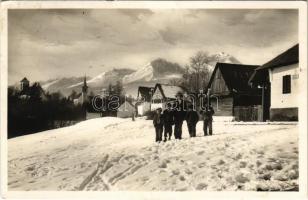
x: 24, y: 84
x: 279, y: 80
x: 82, y: 97
x: 164, y: 93
x: 231, y: 95
x: 84, y: 93
x: 35, y: 91
x: 144, y: 97
x: 126, y: 110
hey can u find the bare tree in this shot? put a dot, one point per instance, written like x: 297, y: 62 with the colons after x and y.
x: 197, y: 72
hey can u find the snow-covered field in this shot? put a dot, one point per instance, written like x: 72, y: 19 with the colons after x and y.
x: 120, y: 154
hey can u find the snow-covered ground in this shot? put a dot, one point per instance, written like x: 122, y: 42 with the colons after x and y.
x: 120, y: 154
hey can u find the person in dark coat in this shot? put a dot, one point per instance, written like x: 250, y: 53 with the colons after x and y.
x: 208, y: 120
x: 179, y: 116
x: 158, y: 122
x: 168, y: 122
x: 192, y: 119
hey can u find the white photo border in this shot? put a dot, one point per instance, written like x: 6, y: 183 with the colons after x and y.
x: 302, y: 10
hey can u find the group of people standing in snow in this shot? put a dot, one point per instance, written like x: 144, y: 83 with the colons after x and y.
x: 176, y: 115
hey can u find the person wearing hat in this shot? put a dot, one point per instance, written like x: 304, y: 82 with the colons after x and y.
x: 179, y: 115
x: 158, y: 122
x: 192, y: 119
x: 168, y: 121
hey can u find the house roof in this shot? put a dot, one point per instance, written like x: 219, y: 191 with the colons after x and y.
x: 236, y: 76
x: 169, y: 91
x: 24, y: 80
x: 126, y: 106
x: 288, y: 57
x: 145, y: 92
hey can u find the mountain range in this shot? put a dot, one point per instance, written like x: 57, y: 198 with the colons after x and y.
x: 156, y: 71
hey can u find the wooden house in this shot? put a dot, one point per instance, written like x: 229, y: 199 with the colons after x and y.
x: 164, y: 93
x: 231, y: 95
x: 279, y: 80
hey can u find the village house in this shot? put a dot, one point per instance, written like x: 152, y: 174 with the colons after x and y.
x: 126, y: 110
x: 164, y: 93
x: 144, y: 97
x: 231, y: 96
x: 279, y: 80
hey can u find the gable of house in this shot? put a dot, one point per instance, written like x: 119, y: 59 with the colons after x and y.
x: 218, y: 85
x: 158, y: 95
x: 126, y: 107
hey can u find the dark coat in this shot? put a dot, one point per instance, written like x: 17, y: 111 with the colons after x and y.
x: 192, y: 117
x: 158, y: 120
x: 168, y: 116
x: 180, y: 112
x: 208, y: 114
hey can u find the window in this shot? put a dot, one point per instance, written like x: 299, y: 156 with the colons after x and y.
x: 286, y: 84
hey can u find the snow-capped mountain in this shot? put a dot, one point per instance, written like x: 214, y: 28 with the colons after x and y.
x: 145, y: 73
x: 106, y: 78
x: 67, y: 85
x: 60, y: 84
x: 226, y: 58
x: 157, y: 70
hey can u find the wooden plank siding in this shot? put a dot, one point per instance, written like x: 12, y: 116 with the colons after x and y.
x: 219, y: 86
x: 225, y: 106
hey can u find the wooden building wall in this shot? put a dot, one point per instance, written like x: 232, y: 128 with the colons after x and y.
x: 219, y: 86
x: 225, y: 106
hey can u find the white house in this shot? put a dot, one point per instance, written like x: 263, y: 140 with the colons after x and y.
x: 280, y: 79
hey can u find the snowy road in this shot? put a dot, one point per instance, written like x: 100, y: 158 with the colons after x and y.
x: 119, y: 154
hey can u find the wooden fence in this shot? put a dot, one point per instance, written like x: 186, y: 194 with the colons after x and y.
x: 248, y: 113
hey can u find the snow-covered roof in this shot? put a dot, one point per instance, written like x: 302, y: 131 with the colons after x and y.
x: 126, y: 106
x: 169, y: 91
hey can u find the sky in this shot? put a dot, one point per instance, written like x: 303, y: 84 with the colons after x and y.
x: 48, y: 44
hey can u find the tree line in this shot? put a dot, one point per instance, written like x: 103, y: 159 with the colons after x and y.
x: 38, y: 111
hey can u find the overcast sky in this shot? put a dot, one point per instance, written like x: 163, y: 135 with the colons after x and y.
x: 46, y: 44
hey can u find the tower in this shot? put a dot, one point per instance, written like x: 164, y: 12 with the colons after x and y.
x: 24, y: 84
x: 84, y: 92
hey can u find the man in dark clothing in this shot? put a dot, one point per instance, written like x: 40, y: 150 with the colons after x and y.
x: 168, y: 122
x: 192, y: 119
x: 179, y: 116
x: 208, y: 119
x: 158, y: 124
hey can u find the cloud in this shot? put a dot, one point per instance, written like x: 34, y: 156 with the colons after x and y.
x: 45, y: 44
